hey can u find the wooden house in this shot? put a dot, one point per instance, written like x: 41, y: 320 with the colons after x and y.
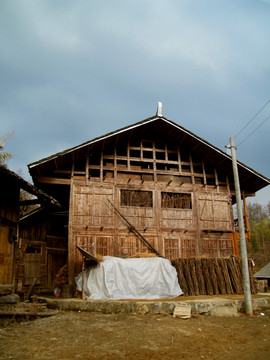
x: 263, y: 277
x: 42, y: 248
x: 11, y: 184
x: 174, y: 188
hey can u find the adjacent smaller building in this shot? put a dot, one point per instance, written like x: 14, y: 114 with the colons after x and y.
x: 264, y: 274
x: 11, y: 184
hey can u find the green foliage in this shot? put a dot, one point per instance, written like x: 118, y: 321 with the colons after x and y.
x: 259, y: 246
x: 4, y: 156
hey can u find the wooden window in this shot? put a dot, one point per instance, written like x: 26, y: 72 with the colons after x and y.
x: 33, y: 249
x: 136, y: 198
x: 176, y: 200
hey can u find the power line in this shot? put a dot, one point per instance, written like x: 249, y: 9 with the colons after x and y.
x: 268, y: 117
x: 257, y: 113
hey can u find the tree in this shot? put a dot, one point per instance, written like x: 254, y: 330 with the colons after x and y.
x: 4, y: 156
x: 257, y: 212
x: 259, y: 246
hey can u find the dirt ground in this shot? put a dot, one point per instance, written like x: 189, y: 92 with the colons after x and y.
x: 81, y: 335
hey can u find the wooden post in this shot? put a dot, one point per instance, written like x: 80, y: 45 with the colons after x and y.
x: 247, y: 226
x: 83, y: 270
x: 71, y: 245
x: 195, y: 205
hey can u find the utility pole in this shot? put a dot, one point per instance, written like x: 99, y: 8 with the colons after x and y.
x: 243, y: 245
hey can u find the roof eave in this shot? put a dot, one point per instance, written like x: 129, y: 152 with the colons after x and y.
x: 141, y: 123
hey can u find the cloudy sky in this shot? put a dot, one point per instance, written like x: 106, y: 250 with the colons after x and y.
x: 75, y: 70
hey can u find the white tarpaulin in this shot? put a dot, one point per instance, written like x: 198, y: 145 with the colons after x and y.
x: 140, y: 278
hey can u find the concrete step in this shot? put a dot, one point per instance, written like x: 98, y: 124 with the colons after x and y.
x: 215, y: 306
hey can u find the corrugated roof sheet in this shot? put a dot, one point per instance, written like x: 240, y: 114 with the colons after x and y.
x: 264, y: 273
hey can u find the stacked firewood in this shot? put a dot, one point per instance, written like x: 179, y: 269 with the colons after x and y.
x: 178, y: 201
x: 61, y: 277
x: 212, y: 276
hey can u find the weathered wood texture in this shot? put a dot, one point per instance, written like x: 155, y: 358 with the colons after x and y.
x: 212, y: 276
x: 174, y: 187
x: 179, y: 207
x: 42, y: 250
x: 9, y: 216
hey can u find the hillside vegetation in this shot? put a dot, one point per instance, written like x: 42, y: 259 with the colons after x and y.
x: 259, y: 245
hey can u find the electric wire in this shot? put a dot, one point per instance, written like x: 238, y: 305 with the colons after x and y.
x: 268, y: 117
x: 257, y: 113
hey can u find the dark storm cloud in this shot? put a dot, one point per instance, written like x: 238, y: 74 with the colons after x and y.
x: 71, y: 71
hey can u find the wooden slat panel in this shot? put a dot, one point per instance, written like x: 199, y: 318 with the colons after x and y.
x: 32, y: 268
x: 215, y: 212
x: 104, y: 245
x: 95, y: 245
x: 6, y: 256
x: 139, y: 217
x: 176, y: 219
x: 172, y: 248
x: 188, y: 245
x: 130, y: 244
x: 87, y: 242
x: 103, y: 213
x: 222, y: 212
x: 91, y: 206
x: 216, y: 245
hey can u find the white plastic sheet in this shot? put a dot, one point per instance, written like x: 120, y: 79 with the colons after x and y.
x: 140, y: 278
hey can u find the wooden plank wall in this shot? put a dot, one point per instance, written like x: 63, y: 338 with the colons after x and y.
x: 6, y: 256
x: 172, y: 232
x: 9, y: 216
x: 203, y: 229
x: 40, y: 253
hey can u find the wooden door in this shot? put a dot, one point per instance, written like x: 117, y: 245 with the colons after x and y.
x: 6, y: 256
x: 32, y: 268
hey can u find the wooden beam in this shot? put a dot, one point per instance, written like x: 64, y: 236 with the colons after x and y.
x: 207, y: 155
x: 216, y: 179
x: 29, y: 202
x: 179, y: 160
x: 221, y: 161
x: 87, y: 168
x: 204, y: 175
x: 71, y: 239
x: 62, y: 171
x: 56, y: 249
x: 194, y: 148
x: 134, y: 230
x: 51, y: 180
x: 7, y: 222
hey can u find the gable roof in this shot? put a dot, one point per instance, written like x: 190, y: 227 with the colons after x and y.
x: 169, y: 130
x: 264, y: 273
